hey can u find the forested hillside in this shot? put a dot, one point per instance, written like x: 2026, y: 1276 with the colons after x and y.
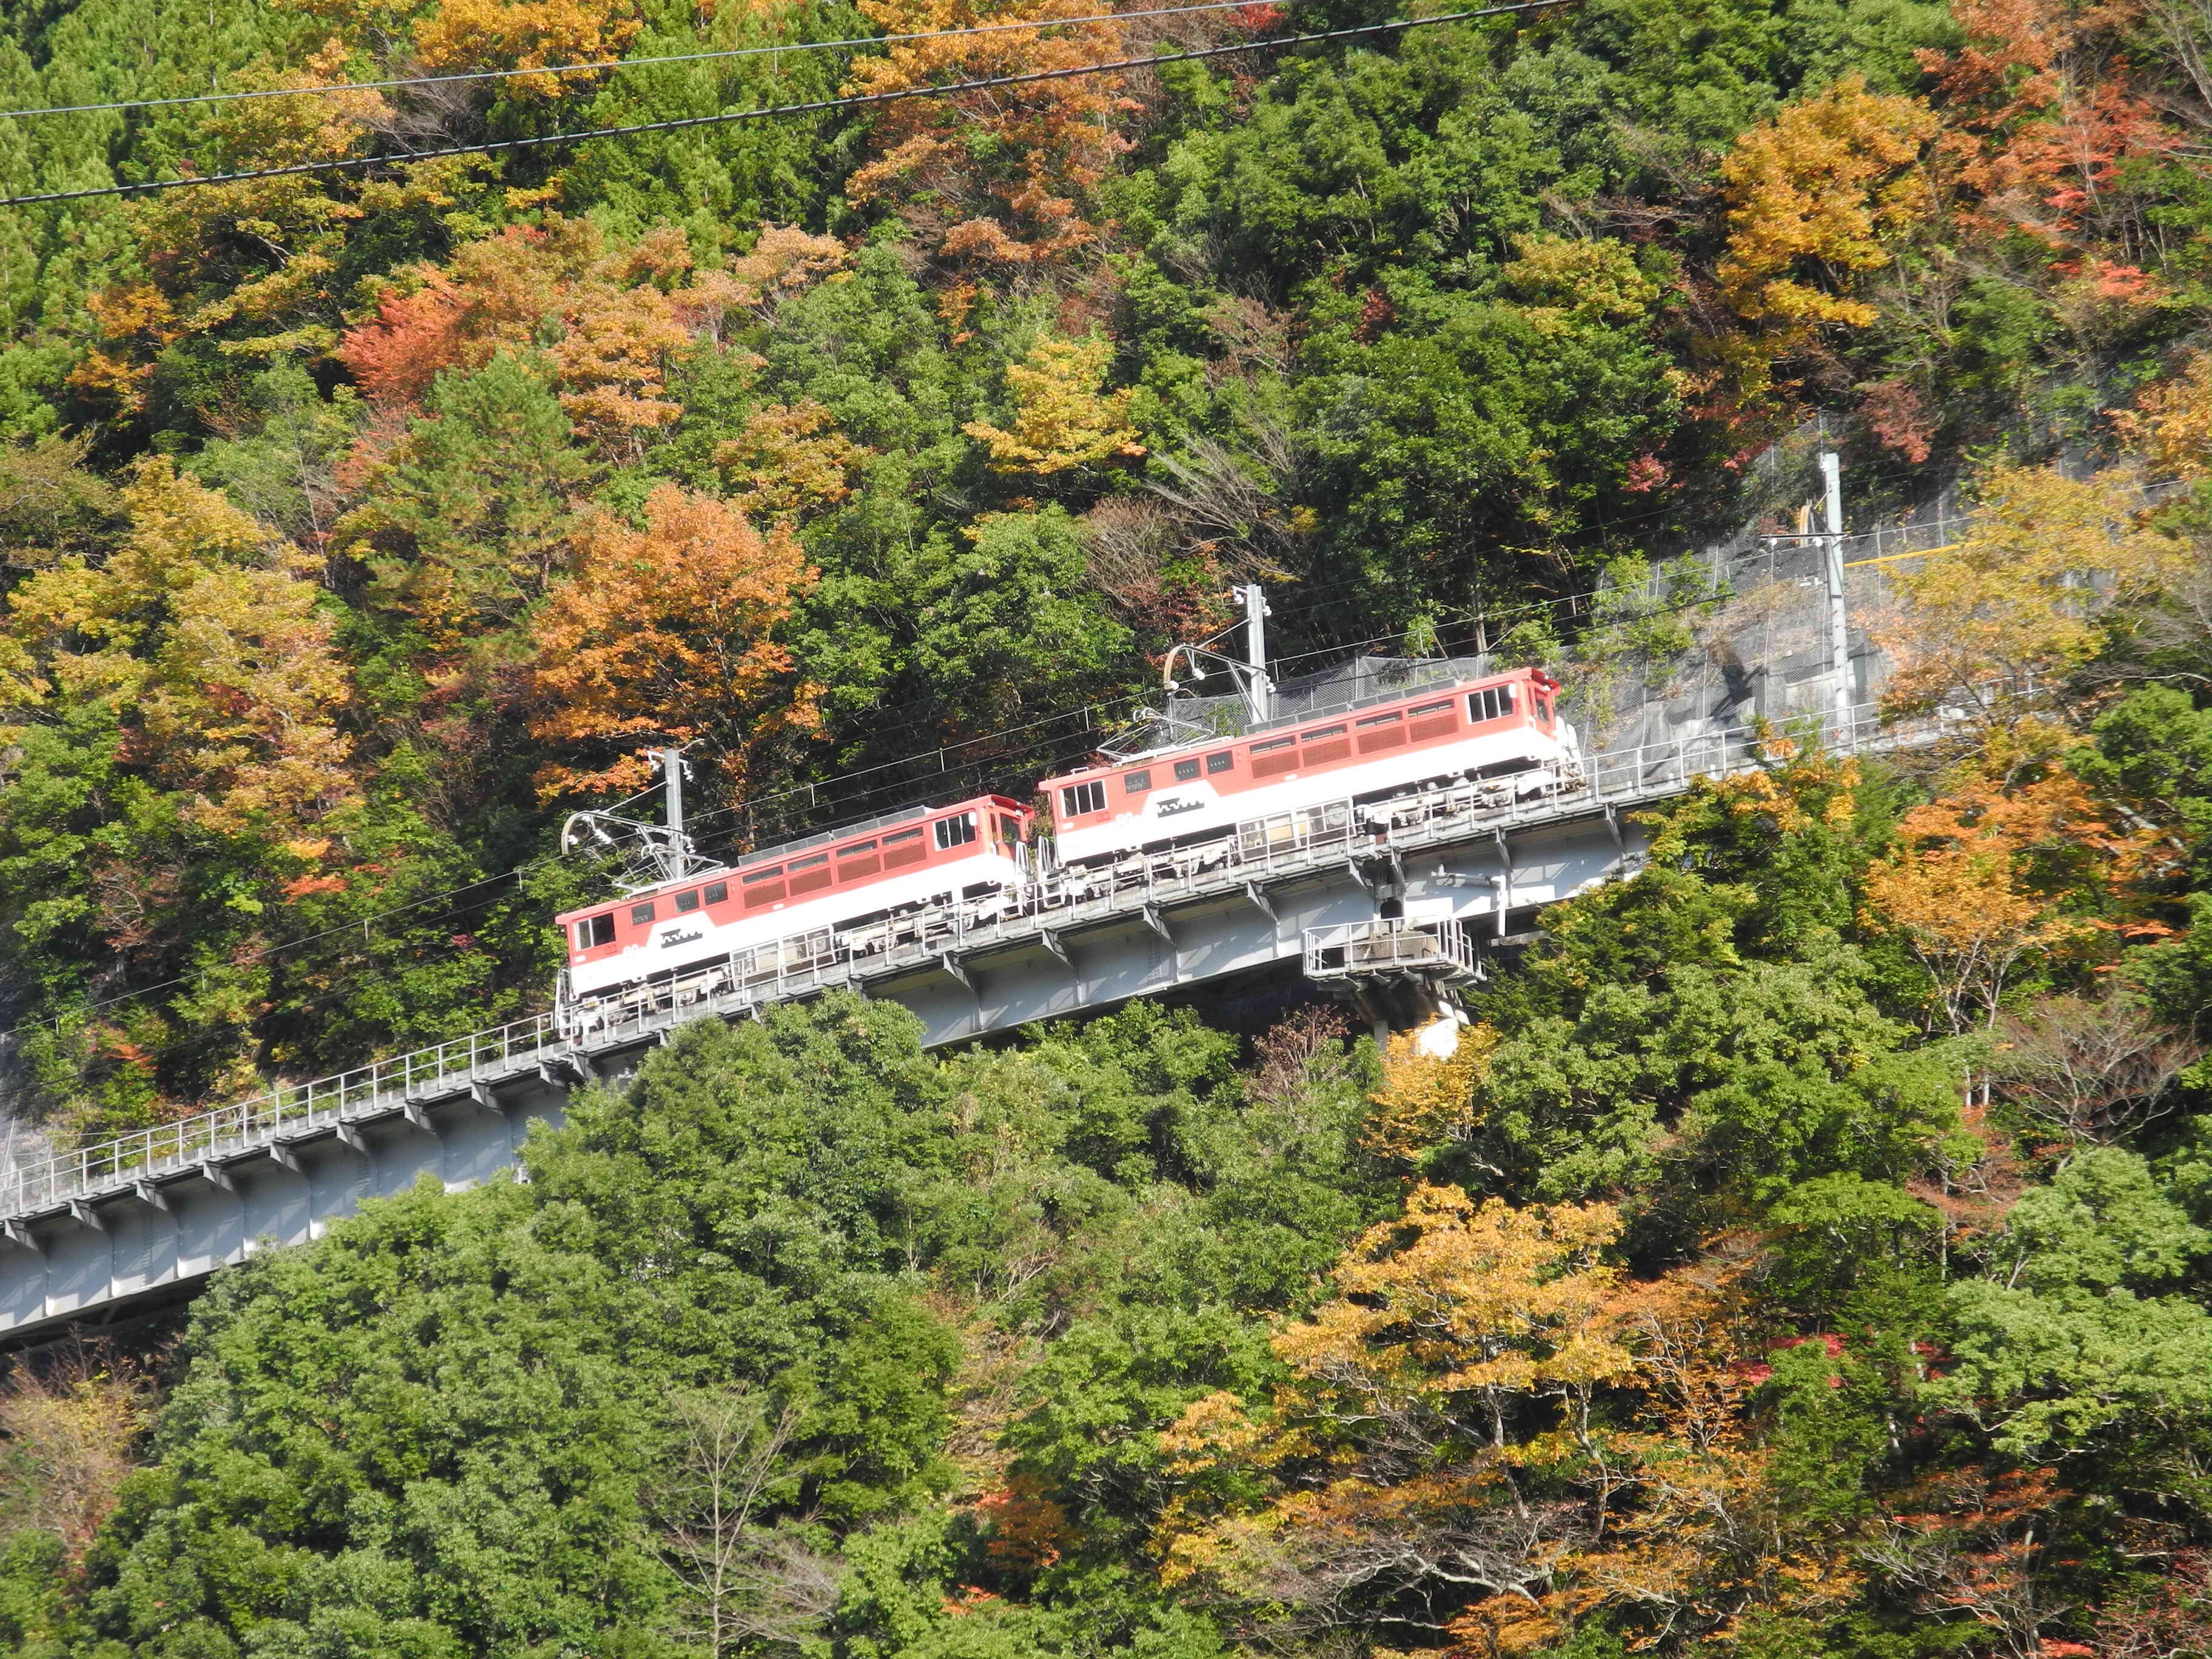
x: 1808, y: 1248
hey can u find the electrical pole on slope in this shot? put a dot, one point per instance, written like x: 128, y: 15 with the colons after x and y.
x: 1259, y: 692
x: 1839, y: 633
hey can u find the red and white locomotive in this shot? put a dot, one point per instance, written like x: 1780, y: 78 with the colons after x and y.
x: 852, y: 893
x: 851, y: 888
x: 1501, y: 726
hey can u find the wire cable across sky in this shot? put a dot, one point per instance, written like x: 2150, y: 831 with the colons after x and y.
x: 852, y: 101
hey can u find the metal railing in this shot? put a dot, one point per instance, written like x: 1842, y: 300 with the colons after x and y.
x: 1263, y: 850
x: 1347, y: 949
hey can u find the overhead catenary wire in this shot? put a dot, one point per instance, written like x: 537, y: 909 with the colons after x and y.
x: 767, y: 111
x: 608, y: 64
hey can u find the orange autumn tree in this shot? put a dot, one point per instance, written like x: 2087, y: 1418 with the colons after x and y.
x: 999, y: 176
x: 2044, y: 116
x: 484, y: 34
x: 665, y: 635
x: 1978, y: 883
x: 615, y: 316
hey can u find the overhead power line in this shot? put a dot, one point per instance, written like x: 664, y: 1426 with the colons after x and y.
x: 854, y: 101
x: 782, y: 51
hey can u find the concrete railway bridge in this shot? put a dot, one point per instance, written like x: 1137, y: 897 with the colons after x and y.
x: 1390, y: 906
x: 1390, y: 909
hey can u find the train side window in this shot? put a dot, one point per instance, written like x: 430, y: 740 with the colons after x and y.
x: 1010, y: 829
x: 956, y: 831
x: 1224, y: 762
x: 1137, y: 783
x: 1493, y: 702
x: 1186, y: 770
x: 640, y: 914
x: 596, y: 930
x: 687, y: 903
x: 1080, y: 798
x: 717, y: 892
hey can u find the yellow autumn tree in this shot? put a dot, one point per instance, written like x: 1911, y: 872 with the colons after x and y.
x: 483, y: 34
x: 1427, y: 1100
x: 790, y: 461
x: 1460, y: 1336
x: 2172, y: 421
x: 1814, y: 197
x: 204, y: 637
x: 666, y: 635
x: 1436, y: 1461
x: 72, y: 1428
x: 1987, y: 629
x: 252, y: 262
x: 1063, y: 417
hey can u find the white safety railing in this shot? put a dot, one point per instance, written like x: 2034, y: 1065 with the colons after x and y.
x: 1261, y: 852
x: 1347, y: 949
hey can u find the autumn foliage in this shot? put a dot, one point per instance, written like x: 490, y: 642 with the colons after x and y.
x: 996, y: 178
x: 665, y: 635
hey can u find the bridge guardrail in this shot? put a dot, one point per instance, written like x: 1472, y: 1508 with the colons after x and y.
x: 1285, y: 846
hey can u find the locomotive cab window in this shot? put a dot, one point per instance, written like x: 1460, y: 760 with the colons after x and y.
x: 1224, y: 762
x: 640, y: 914
x: 717, y: 892
x: 1080, y: 798
x: 1186, y: 770
x: 1493, y: 702
x: 595, y: 930
x: 687, y: 903
x: 956, y: 832
x: 1010, y: 829
x: 1137, y: 783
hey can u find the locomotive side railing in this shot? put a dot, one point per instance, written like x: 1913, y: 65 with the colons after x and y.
x: 1263, y: 850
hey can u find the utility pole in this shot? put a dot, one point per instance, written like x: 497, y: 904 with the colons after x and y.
x: 671, y: 763
x: 1260, y: 691
x: 1839, y: 633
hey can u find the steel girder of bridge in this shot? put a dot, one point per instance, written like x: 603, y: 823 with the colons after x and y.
x: 98, y: 1234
